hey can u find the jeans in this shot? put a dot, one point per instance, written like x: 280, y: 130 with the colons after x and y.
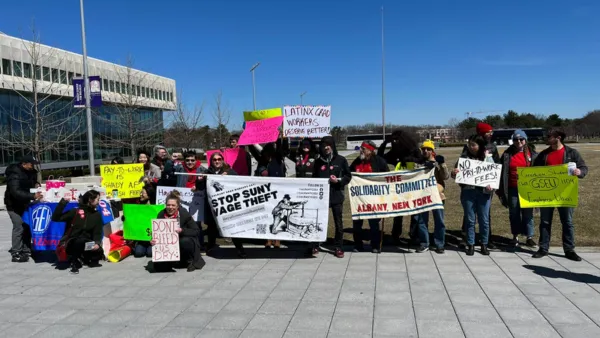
x: 568, y: 229
x: 336, y: 211
x: 375, y: 234
x: 142, y: 249
x: 476, y: 202
x: 521, y: 220
x: 21, y: 235
x: 439, y: 229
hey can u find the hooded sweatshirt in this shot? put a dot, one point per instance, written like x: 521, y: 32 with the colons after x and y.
x: 336, y: 165
x: 305, y: 162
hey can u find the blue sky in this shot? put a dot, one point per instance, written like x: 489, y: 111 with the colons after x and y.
x: 443, y: 58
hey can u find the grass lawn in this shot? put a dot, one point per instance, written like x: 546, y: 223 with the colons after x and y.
x: 587, y: 233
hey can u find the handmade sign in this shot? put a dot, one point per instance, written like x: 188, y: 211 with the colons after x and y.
x: 261, y: 131
x: 391, y: 194
x: 306, y: 121
x: 125, y: 178
x: 164, y: 233
x: 261, y: 114
x: 236, y: 158
x: 478, y: 173
x: 192, y: 201
x: 275, y: 208
x: 137, y: 219
x: 550, y: 186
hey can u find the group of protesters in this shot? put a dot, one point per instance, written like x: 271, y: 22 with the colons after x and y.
x: 185, y: 170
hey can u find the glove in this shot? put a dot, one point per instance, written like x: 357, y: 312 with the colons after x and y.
x: 429, y: 164
x: 440, y: 159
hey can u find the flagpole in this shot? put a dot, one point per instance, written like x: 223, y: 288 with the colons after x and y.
x: 382, y: 76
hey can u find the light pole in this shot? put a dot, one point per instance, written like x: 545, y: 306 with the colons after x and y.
x: 253, y: 84
x: 301, y: 96
x: 382, y: 77
x: 88, y: 110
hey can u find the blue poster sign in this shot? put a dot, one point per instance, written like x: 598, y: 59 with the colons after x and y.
x: 95, y: 92
x: 78, y: 93
x: 45, y: 234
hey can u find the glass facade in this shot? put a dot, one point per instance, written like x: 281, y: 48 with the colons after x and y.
x: 75, y: 149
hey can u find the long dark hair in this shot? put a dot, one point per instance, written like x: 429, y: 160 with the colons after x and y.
x: 147, y: 164
x: 151, y: 193
x: 482, y: 146
x: 89, y: 196
x: 225, y: 166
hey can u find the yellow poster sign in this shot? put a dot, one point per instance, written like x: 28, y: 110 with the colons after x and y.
x: 261, y: 114
x: 125, y: 178
x: 550, y: 186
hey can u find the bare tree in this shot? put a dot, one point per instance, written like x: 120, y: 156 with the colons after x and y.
x: 43, y: 122
x: 130, y: 128
x: 221, y: 114
x: 184, y: 129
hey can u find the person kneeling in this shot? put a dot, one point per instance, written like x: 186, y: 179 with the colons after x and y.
x: 189, y: 245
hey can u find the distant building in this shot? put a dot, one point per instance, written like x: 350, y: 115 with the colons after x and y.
x: 155, y: 95
x: 438, y: 134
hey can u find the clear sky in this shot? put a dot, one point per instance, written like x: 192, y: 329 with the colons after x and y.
x: 443, y: 57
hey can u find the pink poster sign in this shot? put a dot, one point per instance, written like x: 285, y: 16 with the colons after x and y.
x: 261, y: 131
x: 235, y: 157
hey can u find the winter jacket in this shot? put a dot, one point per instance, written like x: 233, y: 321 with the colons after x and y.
x: 441, y: 174
x: 275, y: 167
x: 183, y: 179
x: 86, y: 222
x: 404, y: 159
x: 378, y: 164
x: 18, y: 182
x: 167, y: 177
x: 190, y: 230
x: 305, y: 163
x: 530, y: 156
x: 333, y: 164
x: 571, y: 155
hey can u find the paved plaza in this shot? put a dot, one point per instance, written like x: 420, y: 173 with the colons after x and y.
x: 280, y: 294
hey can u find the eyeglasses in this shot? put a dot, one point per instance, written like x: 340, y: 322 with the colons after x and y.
x: 520, y: 139
x: 190, y: 160
x: 217, y: 159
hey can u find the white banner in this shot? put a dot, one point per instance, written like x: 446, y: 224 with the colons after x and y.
x: 166, y: 248
x: 306, y: 121
x: 478, y: 173
x: 394, y: 193
x: 294, y: 209
x: 192, y: 201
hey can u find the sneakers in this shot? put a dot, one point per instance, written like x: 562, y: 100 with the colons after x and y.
x: 94, y: 264
x: 376, y: 251
x: 515, y: 241
x: 484, y: 250
x: 75, y: 266
x: 241, y: 254
x: 440, y: 250
x: 20, y: 258
x: 531, y: 243
x: 470, y: 250
x: 339, y: 253
x: 572, y: 256
x: 315, y: 251
x: 540, y: 253
x: 422, y: 249
x: 358, y: 249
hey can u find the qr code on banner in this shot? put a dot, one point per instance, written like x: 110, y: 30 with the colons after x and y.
x: 261, y: 229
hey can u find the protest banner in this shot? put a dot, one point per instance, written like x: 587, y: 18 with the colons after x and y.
x: 261, y: 114
x: 126, y: 179
x: 166, y: 248
x: 274, y: 208
x: 550, y: 186
x: 137, y: 220
x: 261, y: 131
x: 192, y: 201
x: 394, y: 193
x: 235, y: 157
x: 306, y: 121
x: 478, y: 173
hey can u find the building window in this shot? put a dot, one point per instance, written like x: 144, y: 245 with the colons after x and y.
x: 27, y: 70
x: 46, y: 73
x: 6, y: 68
x: 118, y: 87
x: 38, y: 72
x: 54, y: 75
x: 112, y: 85
x: 143, y: 92
x: 160, y: 94
x: 70, y: 77
x: 77, y: 75
x: 63, y: 77
x: 104, y: 84
x: 123, y: 90
x: 138, y: 91
x: 17, y: 68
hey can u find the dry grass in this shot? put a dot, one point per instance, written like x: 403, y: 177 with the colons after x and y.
x: 585, y: 217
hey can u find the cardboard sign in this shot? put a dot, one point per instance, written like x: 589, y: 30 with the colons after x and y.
x: 192, y: 201
x: 551, y: 186
x: 306, y: 121
x: 261, y: 114
x: 137, y: 220
x: 478, y: 173
x: 125, y: 178
x: 164, y: 233
x: 261, y: 131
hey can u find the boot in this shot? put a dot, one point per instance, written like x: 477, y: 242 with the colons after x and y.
x: 484, y: 250
x: 470, y: 250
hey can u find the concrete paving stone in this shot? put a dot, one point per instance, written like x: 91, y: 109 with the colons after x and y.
x: 50, y: 316
x: 186, y: 292
x: 335, y: 285
x: 398, y: 311
x: 279, y: 306
x: 318, y: 295
x: 358, y: 285
x: 192, y: 319
x: 178, y: 332
x: 550, y: 301
x: 353, y: 309
x: 251, y: 294
x: 264, y: 333
x: 93, y: 303
x: 351, y: 325
x: 22, y: 330
x: 517, y: 316
x: 269, y: 274
x: 439, y: 328
x: 94, y: 291
x: 313, y: 307
x: 477, y: 314
x: 128, y: 291
x: 357, y: 297
x: 565, y: 316
x: 294, y: 284
x: 305, y: 334
x: 269, y: 322
x: 310, y: 323
x: 505, y: 289
x: 59, y: 331
x: 578, y: 330
x: 155, y: 317
x: 241, y: 274
x: 392, y: 327
x: 492, y: 330
x: 261, y: 284
x: 216, y: 293
x: 17, y: 301
x: 14, y: 289
x: 174, y: 304
x: 13, y: 315
x: 244, y: 305
x: 385, y: 297
x: 99, y: 331
x: 510, y: 301
x: 208, y: 305
x: 147, y: 331
x: 439, y: 297
x: 429, y: 311
x: 285, y: 294
x: 358, y: 274
x: 542, y: 289
x: 230, y: 320
x: 533, y: 330
x: 84, y: 317
x: 120, y: 317
x: 44, y: 302
x: 208, y: 333
x: 139, y: 304
x: 391, y: 276
x: 40, y: 290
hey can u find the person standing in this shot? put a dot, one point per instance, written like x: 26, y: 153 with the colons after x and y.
x: 20, y: 178
x: 233, y: 144
x: 166, y: 165
x: 556, y: 154
x: 368, y: 162
x: 519, y: 154
x: 334, y: 167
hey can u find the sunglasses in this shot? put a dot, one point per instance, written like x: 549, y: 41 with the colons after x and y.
x: 520, y: 139
x: 217, y: 159
x: 190, y: 160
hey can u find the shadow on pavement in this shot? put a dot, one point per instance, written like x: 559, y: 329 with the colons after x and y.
x: 573, y: 276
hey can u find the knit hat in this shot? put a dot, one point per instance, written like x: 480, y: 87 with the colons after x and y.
x: 483, y: 128
x: 428, y: 144
x: 519, y: 133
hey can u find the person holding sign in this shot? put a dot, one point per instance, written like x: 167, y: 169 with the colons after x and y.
x: 476, y: 201
x: 83, y: 231
x: 519, y: 154
x: 151, y: 170
x: 558, y: 153
x: 143, y: 248
x: 189, y: 246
